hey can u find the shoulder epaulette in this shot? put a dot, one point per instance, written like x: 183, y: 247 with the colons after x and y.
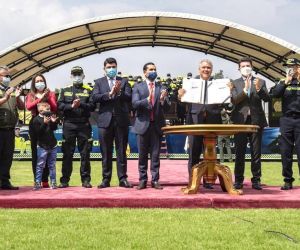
x: 88, y: 87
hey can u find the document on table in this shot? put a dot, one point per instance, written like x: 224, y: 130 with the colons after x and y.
x: 217, y: 91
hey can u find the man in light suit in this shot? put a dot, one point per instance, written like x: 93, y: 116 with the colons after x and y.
x: 247, y: 95
x: 113, y: 93
x: 149, y: 99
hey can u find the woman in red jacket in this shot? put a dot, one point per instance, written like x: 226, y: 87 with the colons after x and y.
x: 39, y: 93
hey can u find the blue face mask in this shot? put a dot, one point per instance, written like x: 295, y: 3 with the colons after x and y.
x: 152, y: 75
x: 40, y: 86
x: 6, y: 81
x: 111, y: 72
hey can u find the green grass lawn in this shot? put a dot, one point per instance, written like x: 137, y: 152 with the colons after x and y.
x: 148, y: 228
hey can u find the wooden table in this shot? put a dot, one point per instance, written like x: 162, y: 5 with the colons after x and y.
x: 210, y: 168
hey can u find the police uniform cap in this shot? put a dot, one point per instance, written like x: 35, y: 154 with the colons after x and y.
x: 76, y: 69
x: 292, y: 61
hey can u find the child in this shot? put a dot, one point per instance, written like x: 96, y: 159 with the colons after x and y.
x: 43, y: 125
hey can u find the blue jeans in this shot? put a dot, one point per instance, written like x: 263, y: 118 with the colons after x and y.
x: 46, y: 156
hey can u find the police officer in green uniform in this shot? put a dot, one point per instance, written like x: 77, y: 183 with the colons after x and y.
x: 76, y: 105
x: 289, y: 90
x: 10, y: 102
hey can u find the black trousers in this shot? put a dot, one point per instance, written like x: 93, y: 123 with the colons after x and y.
x: 195, y: 150
x: 7, y: 146
x: 107, y: 136
x: 150, y: 142
x: 241, y: 141
x: 290, y: 136
x: 33, y: 143
x: 80, y: 132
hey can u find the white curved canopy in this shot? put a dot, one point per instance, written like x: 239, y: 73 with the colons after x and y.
x: 220, y: 38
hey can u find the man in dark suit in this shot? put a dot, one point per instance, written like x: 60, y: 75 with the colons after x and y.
x: 247, y: 95
x: 201, y: 114
x: 113, y: 93
x: 149, y: 99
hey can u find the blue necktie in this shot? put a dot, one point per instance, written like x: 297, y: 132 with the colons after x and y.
x: 249, y: 89
x: 111, y: 83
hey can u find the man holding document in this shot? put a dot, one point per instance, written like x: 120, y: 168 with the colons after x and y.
x: 206, y: 98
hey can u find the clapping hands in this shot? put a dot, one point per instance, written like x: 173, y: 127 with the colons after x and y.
x: 76, y: 103
x: 163, y: 94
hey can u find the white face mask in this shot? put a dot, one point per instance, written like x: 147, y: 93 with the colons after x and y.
x: 290, y: 71
x: 77, y: 79
x: 246, y: 71
x: 40, y: 85
x: 6, y: 81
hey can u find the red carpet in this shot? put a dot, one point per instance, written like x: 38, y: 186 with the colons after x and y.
x: 173, y: 177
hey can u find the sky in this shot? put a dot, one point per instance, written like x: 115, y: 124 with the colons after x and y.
x: 22, y: 19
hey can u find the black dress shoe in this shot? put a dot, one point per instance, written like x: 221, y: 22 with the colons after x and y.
x: 104, y: 184
x: 142, y: 185
x: 125, y: 184
x: 208, y: 186
x: 63, y: 185
x: 238, y: 185
x: 156, y: 185
x: 87, y: 184
x: 256, y: 186
x: 8, y: 186
x: 287, y: 186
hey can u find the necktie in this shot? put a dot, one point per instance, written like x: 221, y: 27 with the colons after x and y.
x: 151, y: 85
x: 205, y: 99
x: 111, y: 83
x: 249, y: 89
x: 205, y: 92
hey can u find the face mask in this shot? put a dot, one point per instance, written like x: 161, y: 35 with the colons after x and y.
x: 246, y: 71
x: 152, y: 75
x: 6, y: 81
x: 77, y: 80
x: 289, y: 71
x: 40, y: 85
x: 111, y: 72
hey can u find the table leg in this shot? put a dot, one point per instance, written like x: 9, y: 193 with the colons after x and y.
x: 225, y: 178
x: 197, y: 172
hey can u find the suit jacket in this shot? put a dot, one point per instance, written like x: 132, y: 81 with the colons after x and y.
x: 242, y: 103
x: 116, y: 105
x: 143, y: 108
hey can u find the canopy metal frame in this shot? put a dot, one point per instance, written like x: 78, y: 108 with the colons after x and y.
x: 221, y: 38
